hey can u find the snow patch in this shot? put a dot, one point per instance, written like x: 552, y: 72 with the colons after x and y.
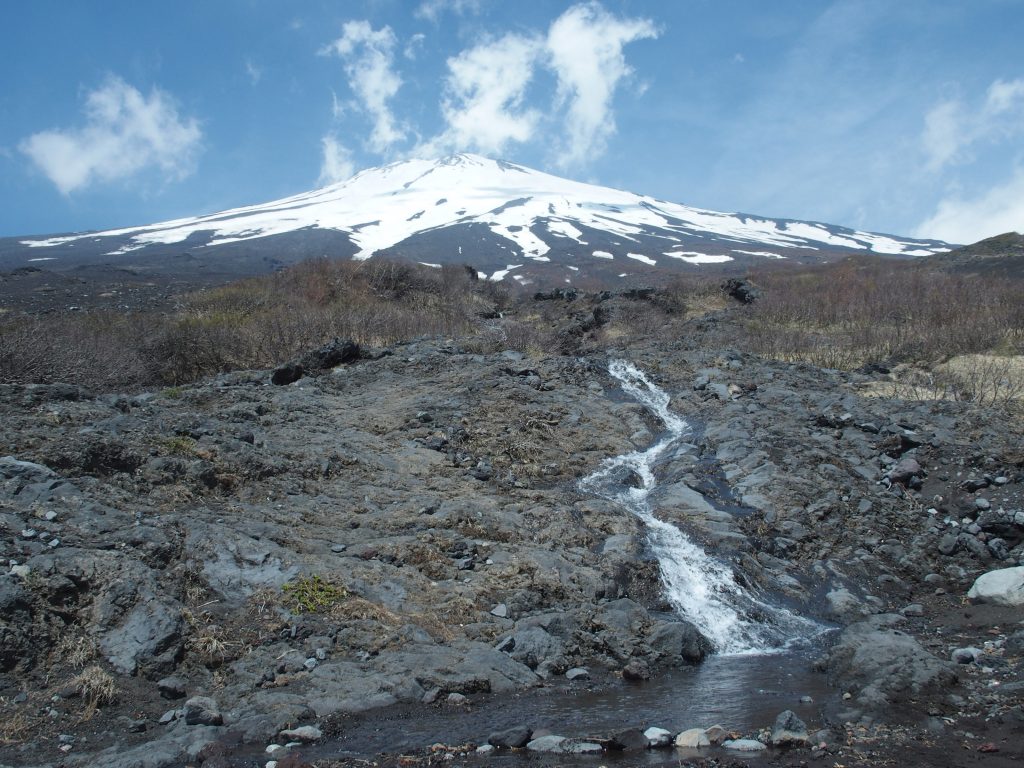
x: 692, y: 257
x: 640, y: 257
x: 603, y: 255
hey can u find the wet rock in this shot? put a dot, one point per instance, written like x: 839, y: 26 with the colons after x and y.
x: 658, y: 737
x: 632, y: 740
x: 717, y: 734
x: 693, y: 738
x: 679, y: 641
x: 549, y: 743
x: 1002, y: 587
x: 789, y: 730
x: 512, y: 738
x: 305, y: 734
x: 202, y: 710
x: 636, y: 670
x: 744, y: 745
x: 844, y: 606
x: 577, y: 673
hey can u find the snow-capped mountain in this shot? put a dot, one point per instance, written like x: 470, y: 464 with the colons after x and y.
x: 503, y: 219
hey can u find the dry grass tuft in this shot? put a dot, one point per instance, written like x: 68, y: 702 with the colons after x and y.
x: 96, y: 686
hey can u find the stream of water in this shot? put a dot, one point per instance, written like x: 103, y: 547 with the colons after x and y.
x: 702, y: 589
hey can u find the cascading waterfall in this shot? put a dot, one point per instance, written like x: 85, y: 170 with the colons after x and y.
x: 699, y: 587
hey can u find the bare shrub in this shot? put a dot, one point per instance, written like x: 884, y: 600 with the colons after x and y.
x: 253, y: 323
x: 862, y: 311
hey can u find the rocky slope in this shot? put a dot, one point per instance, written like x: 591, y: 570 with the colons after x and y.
x: 218, y: 563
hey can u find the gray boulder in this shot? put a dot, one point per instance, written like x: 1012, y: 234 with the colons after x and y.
x: 679, y: 641
x: 881, y: 666
x: 1002, y: 587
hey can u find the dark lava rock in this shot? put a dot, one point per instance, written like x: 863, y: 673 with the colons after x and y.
x: 742, y: 290
x: 202, y: 710
x: 330, y: 355
x: 286, y: 374
x: 789, y: 730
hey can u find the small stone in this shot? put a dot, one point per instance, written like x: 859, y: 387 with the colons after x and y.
x: 320, y: 654
x: 21, y: 571
x: 914, y: 609
x: 500, y: 610
x: 789, y: 730
x: 457, y: 699
x: 272, y: 748
x: 50, y: 516
x: 578, y: 673
x: 485, y: 749
x: 965, y: 655
x: 806, y: 700
x: 202, y: 710
x: 310, y: 664
x: 1001, y: 480
x: 270, y: 764
x: 303, y: 734
x: 137, y: 726
x: 53, y: 543
x: 693, y: 738
x: 338, y: 548
x: 28, y: 533
x: 171, y: 687
x: 169, y: 716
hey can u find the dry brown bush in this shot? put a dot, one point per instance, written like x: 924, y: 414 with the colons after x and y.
x: 857, y: 312
x: 254, y: 323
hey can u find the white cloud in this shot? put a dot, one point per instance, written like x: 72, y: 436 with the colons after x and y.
x: 484, y: 94
x: 124, y: 133
x: 413, y: 47
x: 433, y: 9
x: 585, y: 48
x: 369, y: 55
x: 337, y: 162
x: 960, y: 220
x: 254, y: 72
x: 952, y: 127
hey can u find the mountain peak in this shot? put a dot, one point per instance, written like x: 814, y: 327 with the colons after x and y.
x: 498, y: 216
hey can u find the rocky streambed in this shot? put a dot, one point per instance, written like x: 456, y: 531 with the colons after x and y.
x: 193, y: 574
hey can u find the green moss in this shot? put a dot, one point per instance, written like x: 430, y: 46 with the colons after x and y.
x: 311, y: 594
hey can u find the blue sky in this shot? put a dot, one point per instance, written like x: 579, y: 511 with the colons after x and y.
x: 904, y: 117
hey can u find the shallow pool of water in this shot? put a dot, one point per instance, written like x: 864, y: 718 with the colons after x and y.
x: 741, y: 693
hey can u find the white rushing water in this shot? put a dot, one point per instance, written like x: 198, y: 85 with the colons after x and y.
x: 701, y: 588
